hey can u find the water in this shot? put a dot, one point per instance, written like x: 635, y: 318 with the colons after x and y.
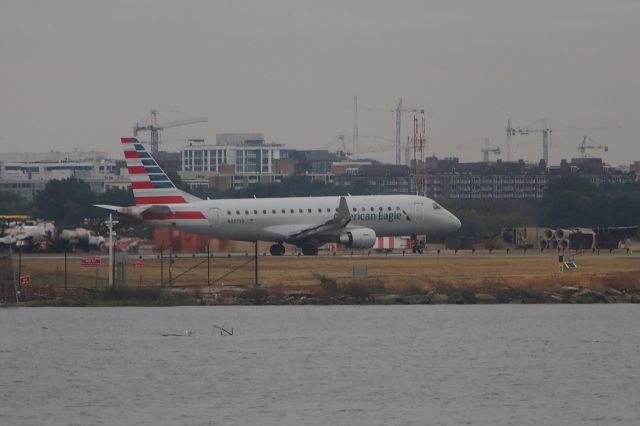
x: 351, y: 365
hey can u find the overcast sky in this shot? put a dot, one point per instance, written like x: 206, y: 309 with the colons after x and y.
x: 78, y: 74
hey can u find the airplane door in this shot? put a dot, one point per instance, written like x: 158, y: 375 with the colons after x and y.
x: 418, y: 211
x: 214, y: 216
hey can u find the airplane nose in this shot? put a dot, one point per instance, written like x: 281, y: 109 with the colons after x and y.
x: 455, y: 222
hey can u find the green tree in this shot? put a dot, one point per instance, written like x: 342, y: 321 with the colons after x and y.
x: 12, y: 203
x: 178, y: 182
x: 66, y: 202
x: 115, y: 197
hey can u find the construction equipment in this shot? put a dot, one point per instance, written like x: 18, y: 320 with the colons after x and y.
x: 342, y: 144
x: 154, y: 128
x: 486, y: 150
x: 584, y: 146
x: 398, y: 113
x: 546, y: 137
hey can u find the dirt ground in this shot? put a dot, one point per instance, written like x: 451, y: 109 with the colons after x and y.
x: 394, y: 271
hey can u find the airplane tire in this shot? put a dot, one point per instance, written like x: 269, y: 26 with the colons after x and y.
x: 276, y: 250
x: 309, y: 250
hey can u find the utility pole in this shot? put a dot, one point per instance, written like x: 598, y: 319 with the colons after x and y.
x: 110, y: 224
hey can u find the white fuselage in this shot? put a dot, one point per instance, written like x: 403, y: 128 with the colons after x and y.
x: 269, y: 219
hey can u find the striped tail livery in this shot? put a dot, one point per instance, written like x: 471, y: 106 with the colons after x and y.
x: 149, y: 182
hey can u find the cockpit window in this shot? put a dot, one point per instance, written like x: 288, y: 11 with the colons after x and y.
x: 436, y: 206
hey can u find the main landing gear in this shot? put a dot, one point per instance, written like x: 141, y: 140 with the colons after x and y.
x: 276, y: 250
x: 309, y: 250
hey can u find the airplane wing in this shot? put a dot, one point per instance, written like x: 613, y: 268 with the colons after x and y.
x: 135, y: 211
x: 322, y: 231
x: 339, y: 221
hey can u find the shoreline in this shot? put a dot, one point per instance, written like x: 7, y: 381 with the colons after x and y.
x: 325, y: 294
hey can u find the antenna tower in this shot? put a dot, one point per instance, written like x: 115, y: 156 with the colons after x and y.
x: 355, y: 127
x: 419, y: 144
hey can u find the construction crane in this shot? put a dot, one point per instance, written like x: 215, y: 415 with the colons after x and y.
x: 546, y: 137
x: 154, y: 128
x: 584, y: 146
x: 342, y: 144
x: 486, y: 150
x: 398, y: 112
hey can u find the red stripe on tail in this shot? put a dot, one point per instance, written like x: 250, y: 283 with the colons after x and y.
x: 174, y: 215
x: 136, y: 170
x: 166, y: 199
x: 131, y: 154
x: 142, y: 185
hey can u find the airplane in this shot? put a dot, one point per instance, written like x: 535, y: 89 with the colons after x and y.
x: 307, y: 222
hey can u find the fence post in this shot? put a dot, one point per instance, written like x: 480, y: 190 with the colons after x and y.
x: 20, y: 262
x: 65, y: 267
x: 170, y: 264
x: 256, y: 265
x: 162, y: 264
x: 209, y: 263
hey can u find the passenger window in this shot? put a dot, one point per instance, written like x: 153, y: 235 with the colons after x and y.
x: 246, y: 212
x: 273, y: 211
x: 292, y: 211
x: 397, y: 207
x: 364, y: 209
x: 328, y: 210
x: 380, y: 208
x: 309, y: 210
x: 255, y: 212
x: 355, y: 209
x: 372, y: 209
x: 319, y: 210
x: 264, y: 212
x: 301, y: 211
x: 388, y: 208
x: 284, y: 211
x: 237, y: 211
x: 228, y: 212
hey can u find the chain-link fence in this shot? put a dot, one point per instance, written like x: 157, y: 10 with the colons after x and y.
x: 239, y: 269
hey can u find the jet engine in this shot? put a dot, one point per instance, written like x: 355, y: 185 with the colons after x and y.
x: 358, y: 238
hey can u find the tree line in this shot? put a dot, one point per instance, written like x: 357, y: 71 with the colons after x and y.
x: 568, y: 201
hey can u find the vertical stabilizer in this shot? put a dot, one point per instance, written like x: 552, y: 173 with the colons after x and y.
x: 151, y: 185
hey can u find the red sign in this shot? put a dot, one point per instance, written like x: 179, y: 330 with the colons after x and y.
x: 25, y: 279
x: 91, y: 262
x: 137, y: 263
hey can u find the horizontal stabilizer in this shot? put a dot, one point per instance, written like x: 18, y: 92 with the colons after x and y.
x: 137, y: 211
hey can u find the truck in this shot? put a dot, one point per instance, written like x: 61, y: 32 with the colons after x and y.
x: 35, y: 235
